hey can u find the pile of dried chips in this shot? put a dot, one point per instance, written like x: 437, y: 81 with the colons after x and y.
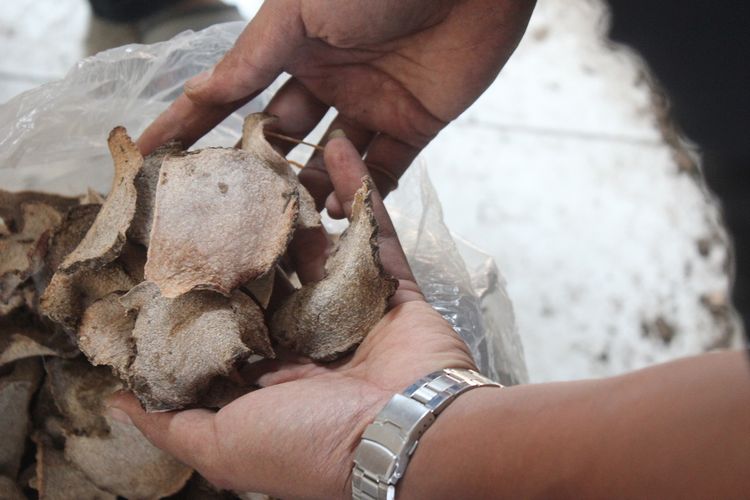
x: 164, y: 287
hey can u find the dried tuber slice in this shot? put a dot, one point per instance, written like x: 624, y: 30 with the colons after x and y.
x: 145, y: 184
x: 21, y: 253
x: 261, y: 288
x: 182, y: 344
x: 16, y: 391
x: 255, y: 142
x: 68, y: 295
x: 125, y: 463
x: 326, y: 319
x: 58, y: 479
x: 11, y: 206
x: 222, y: 219
x: 114, y: 456
x: 78, y: 390
x: 68, y: 235
x: 105, y: 238
x: 21, y: 337
x: 105, y: 334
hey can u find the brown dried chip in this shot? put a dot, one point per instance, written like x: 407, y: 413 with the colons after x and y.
x: 79, y: 390
x: 11, y: 205
x: 222, y: 218
x: 145, y: 184
x: 255, y: 142
x: 21, y: 337
x: 9, y: 490
x: 114, y: 456
x: 68, y: 235
x: 105, y: 334
x: 105, y: 238
x: 68, y: 295
x: 326, y: 319
x: 21, y: 253
x: 126, y: 464
x: 58, y: 479
x: 16, y: 390
x: 184, y: 343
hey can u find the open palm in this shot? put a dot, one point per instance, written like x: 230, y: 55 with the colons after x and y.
x: 296, y: 436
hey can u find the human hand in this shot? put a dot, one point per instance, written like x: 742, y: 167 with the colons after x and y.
x: 397, y: 72
x: 295, y: 437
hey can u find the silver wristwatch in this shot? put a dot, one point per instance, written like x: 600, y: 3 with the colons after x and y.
x: 388, y: 443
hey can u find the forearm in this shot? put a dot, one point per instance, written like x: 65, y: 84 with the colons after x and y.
x: 678, y: 429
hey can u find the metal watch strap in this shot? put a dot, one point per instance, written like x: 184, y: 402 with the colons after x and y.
x: 388, y: 443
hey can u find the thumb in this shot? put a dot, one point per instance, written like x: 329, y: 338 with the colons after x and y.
x: 256, y: 59
x: 258, y: 56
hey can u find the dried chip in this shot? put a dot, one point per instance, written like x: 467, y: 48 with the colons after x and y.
x: 255, y: 142
x: 22, y: 337
x: 79, y: 390
x: 16, y: 390
x: 114, y: 456
x: 222, y: 219
x: 58, y: 479
x: 9, y: 490
x: 326, y: 319
x: 145, y: 184
x: 126, y: 464
x: 68, y: 295
x: 184, y: 343
x: 105, y: 334
x: 11, y: 206
x: 21, y: 253
x: 68, y: 235
x: 105, y: 238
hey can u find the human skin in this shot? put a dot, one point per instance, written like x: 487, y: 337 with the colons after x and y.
x: 396, y: 71
x: 680, y: 429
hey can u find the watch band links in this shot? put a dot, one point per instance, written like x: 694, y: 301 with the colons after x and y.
x: 388, y: 443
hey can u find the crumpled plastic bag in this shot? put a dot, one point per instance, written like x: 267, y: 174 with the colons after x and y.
x: 53, y: 138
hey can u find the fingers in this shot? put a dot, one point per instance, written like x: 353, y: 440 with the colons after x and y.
x: 299, y: 111
x: 346, y: 170
x: 315, y: 176
x: 187, y: 435
x: 255, y: 60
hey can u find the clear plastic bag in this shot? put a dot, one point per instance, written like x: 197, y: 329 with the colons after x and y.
x: 53, y: 138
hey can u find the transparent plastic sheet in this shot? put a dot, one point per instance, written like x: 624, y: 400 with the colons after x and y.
x: 53, y: 138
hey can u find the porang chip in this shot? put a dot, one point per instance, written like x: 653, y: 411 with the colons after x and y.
x: 114, y: 456
x: 222, y: 218
x: 21, y: 253
x: 326, y: 319
x: 145, y: 184
x: 68, y: 295
x: 105, y: 238
x: 16, y: 390
x: 255, y: 142
x: 177, y: 346
x: 58, y: 479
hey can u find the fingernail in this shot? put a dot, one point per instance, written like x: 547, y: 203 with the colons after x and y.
x: 336, y: 134
x: 198, y: 81
x: 119, y: 415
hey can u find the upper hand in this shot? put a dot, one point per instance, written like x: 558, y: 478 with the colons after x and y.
x: 397, y: 72
x: 295, y: 437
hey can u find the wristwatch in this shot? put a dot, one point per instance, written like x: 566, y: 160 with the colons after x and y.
x: 388, y: 443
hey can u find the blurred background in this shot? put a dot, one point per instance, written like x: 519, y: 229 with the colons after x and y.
x: 569, y: 171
